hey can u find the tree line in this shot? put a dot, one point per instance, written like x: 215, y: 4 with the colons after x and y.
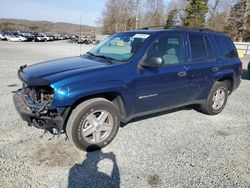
x: 231, y: 16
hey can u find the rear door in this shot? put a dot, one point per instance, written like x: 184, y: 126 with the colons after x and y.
x: 230, y: 64
x: 202, y: 66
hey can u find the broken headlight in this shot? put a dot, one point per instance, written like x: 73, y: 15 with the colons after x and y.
x: 44, y: 95
x: 40, y: 95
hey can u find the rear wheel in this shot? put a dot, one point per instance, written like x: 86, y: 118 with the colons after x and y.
x: 93, y: 124
x: 216, y: 100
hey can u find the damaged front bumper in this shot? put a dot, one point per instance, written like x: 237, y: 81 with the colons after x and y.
x: 52, y: 123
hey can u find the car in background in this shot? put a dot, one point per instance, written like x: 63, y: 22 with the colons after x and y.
x: 29, y: 36
x: 248, y: 68
x: 73, y: 39
x: 3, y: 36
x: 58, y: 37
x: 49, y: 38
x: 16, y: 38
x: 39, y: 38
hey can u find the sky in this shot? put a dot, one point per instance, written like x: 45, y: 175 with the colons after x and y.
x: 54, y: 10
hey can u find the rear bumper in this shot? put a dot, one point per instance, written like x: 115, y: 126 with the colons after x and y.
x: 36, y: 120
x: 237, y: 82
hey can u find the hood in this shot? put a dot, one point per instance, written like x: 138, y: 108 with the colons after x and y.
x: 46, y: 72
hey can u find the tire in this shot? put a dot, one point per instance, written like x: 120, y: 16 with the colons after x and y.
x: 214, y: 105
x: 86, y: 131
x: 229, y: 86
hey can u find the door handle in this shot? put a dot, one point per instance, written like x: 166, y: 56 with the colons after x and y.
x: 215, y: 69
x: 182, y: 73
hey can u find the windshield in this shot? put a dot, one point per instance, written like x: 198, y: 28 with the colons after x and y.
x: 120, y: 47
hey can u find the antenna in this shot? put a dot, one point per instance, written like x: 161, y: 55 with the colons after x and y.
x: 80, y: 34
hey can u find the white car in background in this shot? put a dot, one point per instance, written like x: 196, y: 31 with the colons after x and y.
x: 39, y: 38
x: 14, y: 38
x: 2, y: 36
x: 44, y: 37
x: 49, y: 38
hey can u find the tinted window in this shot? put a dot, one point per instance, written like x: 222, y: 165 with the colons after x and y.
x: 226, y: 46
x: 169, y: 48
x: 198, y: 47
x: 210, y: 52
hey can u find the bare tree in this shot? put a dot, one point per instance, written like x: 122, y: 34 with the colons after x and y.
x: 120, y: 15
x: 218, y: 13
x: 238, y: 20
x: 213, y: 6
x: 153, y: 13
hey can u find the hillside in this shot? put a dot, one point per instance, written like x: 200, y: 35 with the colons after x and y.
x: 44, y: 26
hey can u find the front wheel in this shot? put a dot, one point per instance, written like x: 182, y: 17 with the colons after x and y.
x: 216, y: 100
x: 93, y: 124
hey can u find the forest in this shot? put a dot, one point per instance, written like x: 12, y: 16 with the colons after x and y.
x: 231, y: 16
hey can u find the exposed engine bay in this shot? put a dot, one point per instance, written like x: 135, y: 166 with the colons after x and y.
x: 41, y: 97
x: 36, y: 102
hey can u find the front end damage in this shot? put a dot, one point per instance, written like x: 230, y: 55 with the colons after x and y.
x: 33, y: 103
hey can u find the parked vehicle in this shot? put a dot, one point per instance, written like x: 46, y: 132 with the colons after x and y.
x: 29, y: 36
x: 16, y: 38
x: 3, y: 36
x: 128, y: 75
x: 73, y: 39
x: 87, y: 40
x: 248, y: 68
x: 39, y: 38
x: 48, y: 38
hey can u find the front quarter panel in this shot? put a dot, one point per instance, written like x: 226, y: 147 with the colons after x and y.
x: 111, y: 79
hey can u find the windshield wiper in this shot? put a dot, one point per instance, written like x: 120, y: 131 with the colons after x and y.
x: 90, y: 53
x: 108, y: 59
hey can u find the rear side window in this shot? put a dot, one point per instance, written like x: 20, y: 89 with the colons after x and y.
x: 210, y: 52
x: 198, y: 47
x: 226, y: 47
x: 201, y: 48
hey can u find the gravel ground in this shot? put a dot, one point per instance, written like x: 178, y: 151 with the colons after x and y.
x: 181, y: 148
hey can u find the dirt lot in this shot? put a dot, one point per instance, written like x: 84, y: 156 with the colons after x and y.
x: 181, y: 148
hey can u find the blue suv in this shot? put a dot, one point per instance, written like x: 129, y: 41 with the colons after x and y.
x: 130, y: 74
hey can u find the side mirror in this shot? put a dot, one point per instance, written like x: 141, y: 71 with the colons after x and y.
x: 152, y: 61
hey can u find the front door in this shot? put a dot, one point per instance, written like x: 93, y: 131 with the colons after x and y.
x: 165, y: 86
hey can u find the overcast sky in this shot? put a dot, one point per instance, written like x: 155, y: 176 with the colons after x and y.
x: 54, y: 10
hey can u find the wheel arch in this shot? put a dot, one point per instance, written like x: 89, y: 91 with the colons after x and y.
x: 114, y: 97
x: 229, y: 81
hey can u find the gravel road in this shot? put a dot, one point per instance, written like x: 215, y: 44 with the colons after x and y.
x: 179, y: 148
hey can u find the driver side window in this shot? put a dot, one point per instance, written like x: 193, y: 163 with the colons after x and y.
x: 169, y: 48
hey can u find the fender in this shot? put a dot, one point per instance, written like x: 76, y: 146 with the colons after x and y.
x: 227, y: 73
x: 68, y: 95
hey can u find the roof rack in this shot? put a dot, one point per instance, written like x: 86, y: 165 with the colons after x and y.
x: 195, y: 28
x: 177, y: 27
x: 154, y: 26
